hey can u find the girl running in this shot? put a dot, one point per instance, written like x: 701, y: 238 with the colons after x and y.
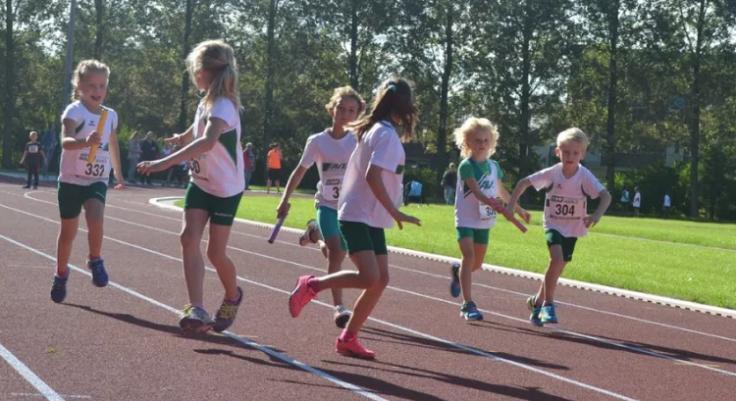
x: 479, y: 182
x: 217, y: 182
x: 89, y: 147
x: 330, y: 150
x: 369, y: 203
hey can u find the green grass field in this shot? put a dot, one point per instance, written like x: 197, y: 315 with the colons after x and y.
x: 680, y: 259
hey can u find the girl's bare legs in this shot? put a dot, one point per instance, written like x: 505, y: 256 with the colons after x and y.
x: 473, y: 255
x: 94, y: 213
x: 190, y: 238
x: 216, y: 252
x: 376, y: 269
x: 64, y: 243
x: 335, y: 257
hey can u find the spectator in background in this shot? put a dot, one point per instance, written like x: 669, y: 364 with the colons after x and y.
x: 449, y: 181
x: 273, y: 167
x: 33, y: 158
x: 636, y: 203
x: 414, y: 192
x: 149, y: 151
x: 249, y: 163
x: 625, y: 197
x: 666, y: 204
x: 134, y: 156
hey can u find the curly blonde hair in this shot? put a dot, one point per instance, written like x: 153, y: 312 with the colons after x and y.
x: 470, y: 126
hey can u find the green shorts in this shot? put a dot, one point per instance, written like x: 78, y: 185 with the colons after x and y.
x: 362, y: 237
x: 328, y: 224
x: 221, y: 210
x: 554, y: 237
x: 72, y: 196
x: 479, y: 235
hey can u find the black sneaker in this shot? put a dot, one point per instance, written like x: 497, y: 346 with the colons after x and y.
x: 58, y: 289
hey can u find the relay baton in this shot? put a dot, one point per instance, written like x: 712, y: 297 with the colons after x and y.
x: 276, y: 229
x: 498, y: 207
x: 100, y: 129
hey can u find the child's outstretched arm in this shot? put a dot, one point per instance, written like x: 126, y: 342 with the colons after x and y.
x: 493, y: 203
x: 212, y: 131
x: 504, y: 193
x: 115, y: 159
x: 181, y: 139
x: 373, y: 177
x: 594, y: 218
x: 521, y: 186
x: 23, y: 158
x: 294, y: 179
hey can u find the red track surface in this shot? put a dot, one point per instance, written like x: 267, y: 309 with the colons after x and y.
x: 123, y: 343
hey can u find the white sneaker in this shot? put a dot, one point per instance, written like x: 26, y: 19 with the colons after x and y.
x: 342, y: 315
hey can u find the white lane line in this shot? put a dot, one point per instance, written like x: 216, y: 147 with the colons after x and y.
x: 489, y: 355
x: 453, y: 344
x: 445, y: 277
x: 634, y: 348
x: 67, y: 396
x: 23, y: 370
x: 265, y: 349
x: 629, y: 347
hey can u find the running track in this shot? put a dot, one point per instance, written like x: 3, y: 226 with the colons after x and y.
x: 123, y: 343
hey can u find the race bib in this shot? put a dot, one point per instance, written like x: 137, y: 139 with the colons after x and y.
x: 487, y: 212
x: 32, y: 148
x: 331, y: 188
x: 95, y: 169
x: 199, y: 167
x: 565, y: 208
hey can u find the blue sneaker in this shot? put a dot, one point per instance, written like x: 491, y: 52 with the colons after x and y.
x: 455, y: 281
x: 470, y: 312
x: 536, y: 310
x: 99, y: 275
x: 548, y: 314
x: 58, y: 289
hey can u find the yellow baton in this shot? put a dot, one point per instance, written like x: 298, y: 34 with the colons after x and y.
x: 100, y: 130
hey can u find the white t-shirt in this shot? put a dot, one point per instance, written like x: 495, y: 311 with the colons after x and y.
x: 469, y: 211
x: 75, y: 169
x: 380, y: 147
x: 565, y: 204
x: 667, y: 201
x: 637, y: 199
x: 331, y: 156
x: 219, y: 171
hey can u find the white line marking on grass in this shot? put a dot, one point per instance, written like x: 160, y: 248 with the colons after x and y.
x: 453, y: 344
x: 275, y: 354
x: 23, y: 370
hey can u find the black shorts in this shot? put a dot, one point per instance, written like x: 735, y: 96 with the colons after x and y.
x: 71, y: 197
x: 221, y: 210
x: 274, y: 174
x: 554, y: 237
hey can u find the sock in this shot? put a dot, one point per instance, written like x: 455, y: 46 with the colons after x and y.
x: 93, y: 258
x: 347, y: 335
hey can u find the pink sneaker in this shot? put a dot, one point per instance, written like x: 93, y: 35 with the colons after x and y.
x: 353, y: 348
x: 300, y: 296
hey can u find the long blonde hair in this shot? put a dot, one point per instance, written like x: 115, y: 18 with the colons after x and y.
x: 471, y: 125
x: 84, y: 69
x: 217, y: 58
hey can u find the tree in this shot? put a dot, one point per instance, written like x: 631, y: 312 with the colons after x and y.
x: 9, y: 84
